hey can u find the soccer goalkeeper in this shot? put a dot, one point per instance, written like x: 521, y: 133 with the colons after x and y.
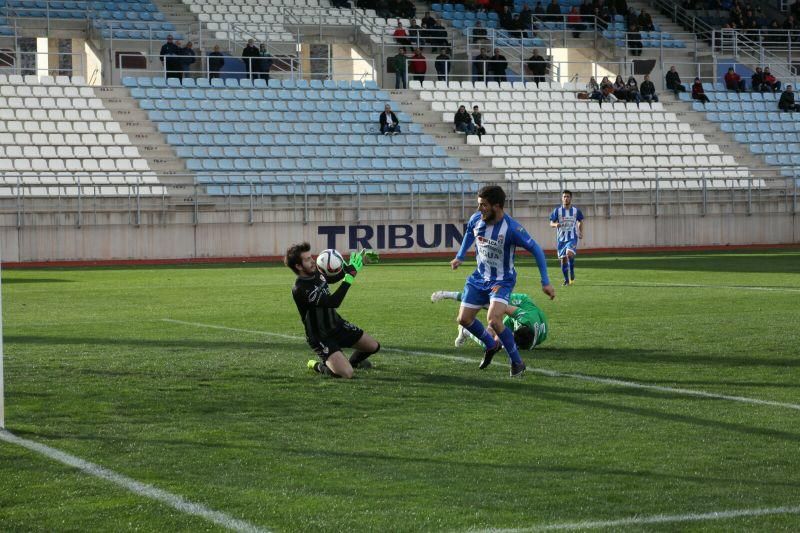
x: 327, y: 332
x: 528, y: 322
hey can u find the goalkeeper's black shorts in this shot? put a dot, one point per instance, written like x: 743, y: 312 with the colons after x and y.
x: 345, y: 336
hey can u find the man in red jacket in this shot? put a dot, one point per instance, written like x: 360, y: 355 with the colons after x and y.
x: 418, y: 65
x: 733, y: 81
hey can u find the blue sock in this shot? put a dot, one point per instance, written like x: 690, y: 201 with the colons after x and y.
x: 565, y: 270
x: 572, y: 267
x: 477, y: 329
x: 507, y: 338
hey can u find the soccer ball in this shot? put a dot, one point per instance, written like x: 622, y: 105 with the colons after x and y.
x: 330, y: 262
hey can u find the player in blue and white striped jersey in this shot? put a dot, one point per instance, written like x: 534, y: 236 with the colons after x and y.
x: 568, y: 221
x: 496, y: 236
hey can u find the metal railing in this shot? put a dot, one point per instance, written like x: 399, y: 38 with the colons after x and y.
x: 262, y: 67
x: 308, y: 197
x: 28, y: 64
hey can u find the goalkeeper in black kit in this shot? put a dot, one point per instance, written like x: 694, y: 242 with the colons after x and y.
x: 327, y: 332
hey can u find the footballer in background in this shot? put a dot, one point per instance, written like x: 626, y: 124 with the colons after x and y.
x: 526, y: 320
x: 568, y: 221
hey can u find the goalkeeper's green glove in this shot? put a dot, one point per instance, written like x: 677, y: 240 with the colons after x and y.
x: 353, y: 266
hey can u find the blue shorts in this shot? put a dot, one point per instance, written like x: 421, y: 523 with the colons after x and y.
x: 479, y: 292
x: 571, y: 245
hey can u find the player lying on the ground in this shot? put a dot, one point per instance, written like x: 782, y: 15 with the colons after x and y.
x: 528, y: 322
x: 327, y: 332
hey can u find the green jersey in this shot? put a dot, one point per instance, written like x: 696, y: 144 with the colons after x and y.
x: 527, y: 314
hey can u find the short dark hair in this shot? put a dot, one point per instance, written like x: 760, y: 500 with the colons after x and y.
x: 524, y: 337
x: 566, y: 191
x: 493, y: 194
x: 293, y: 254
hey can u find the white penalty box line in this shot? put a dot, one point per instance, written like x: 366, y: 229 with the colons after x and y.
x: 542, y: 371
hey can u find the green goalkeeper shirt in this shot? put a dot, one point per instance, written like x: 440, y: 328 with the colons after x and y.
x: 527, y: 314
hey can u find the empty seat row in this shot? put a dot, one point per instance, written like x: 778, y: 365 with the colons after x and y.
x: 243, y: 83
x: 350, y: 152
x: 289, y: 163
x: 307, y: 118
x: 69, y: 139
x: 54, y: 114
x: 290, y: 96
x: 763, y: 138
x: 575, y: 127
x: 284, y: 127
x: 613, y: 162
x: 501, y: 96
x: 724, y: 95
x: 542, y: 106
x: 55, y: 91
x: 297, y: 139
x: 612, y: 149
x: 36, y: 126
x: 69, y: 152
x: 33, y: 102
x: 768, y: 117
x: 261, y: 105
x: 605, y: 117
x: 73, y: 165
x: 388, y: 187
x: 587, y: 140
x: 761, y: 126
x: 470, y: 85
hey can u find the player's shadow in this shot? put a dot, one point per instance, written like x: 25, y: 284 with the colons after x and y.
x: 599, y: 355
x: 779, y: 262
x: 573, y: 396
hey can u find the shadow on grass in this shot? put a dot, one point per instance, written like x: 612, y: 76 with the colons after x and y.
x: 271, y: 344
x: 14, y: 281
x: 570, y: 396
x: 780, y: 263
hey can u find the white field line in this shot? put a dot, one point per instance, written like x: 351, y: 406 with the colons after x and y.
x: 542, y: 371
x: 136, y: 487
x: 645, y: 284
x: 656, y: 519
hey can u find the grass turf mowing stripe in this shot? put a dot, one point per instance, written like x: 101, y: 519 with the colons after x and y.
x: 136, y: 487
x: 656, y: 519
x: 657, y: 285
x: 541, y: 371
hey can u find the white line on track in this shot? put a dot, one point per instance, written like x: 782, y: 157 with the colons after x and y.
x: 136, y: 487
x: 656, y: 519
x: 646, y: 284
x: 542, y: 371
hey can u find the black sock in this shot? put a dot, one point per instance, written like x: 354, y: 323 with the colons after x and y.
x: 325, y: 370
x: 359, y: 356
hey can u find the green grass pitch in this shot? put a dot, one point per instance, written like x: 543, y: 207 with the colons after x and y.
x: 232, y: 419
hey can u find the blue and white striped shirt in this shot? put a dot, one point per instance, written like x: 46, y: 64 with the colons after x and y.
x: 568, y: 218
x: 495, y: 245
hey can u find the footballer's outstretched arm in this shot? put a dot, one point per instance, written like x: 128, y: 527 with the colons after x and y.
x: 526, y: 241
x: 466, y: 244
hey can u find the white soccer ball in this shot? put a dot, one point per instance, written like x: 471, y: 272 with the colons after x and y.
x: 330, y: 262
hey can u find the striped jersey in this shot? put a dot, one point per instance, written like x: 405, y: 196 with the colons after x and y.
x: 568, y: 218
x: 495, y: 245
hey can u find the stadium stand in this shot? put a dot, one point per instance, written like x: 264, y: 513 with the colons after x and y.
x: 754, y: 119
x: 55, y: 134
x: 277, y: 134
x: 129, y: 19
x: 541, y: 133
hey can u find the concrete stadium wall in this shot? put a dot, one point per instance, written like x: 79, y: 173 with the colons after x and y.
x: 173, y: 236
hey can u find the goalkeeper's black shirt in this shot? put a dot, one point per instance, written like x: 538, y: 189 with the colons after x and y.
x: 317, y: 306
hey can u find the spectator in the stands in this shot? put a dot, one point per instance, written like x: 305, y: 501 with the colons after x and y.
x: 382, y: 9
x: 477, y: 119
x: 734, y: 82
x: 645, y: 21
x: 189, y: 57
x: 478, y: 33
x: 418, y: 66
x: 401, y: 35
x: 428, y: 21
x: 757, y: 80
x: 554, y: 11
x: 635, y: 41
x: 437, y: 35
x: 506, y: 19
x: 250, y: 56
x: 538, y: 10
x: 648, y: 90
x: 607, y: 90
x: 526, y: 18
x: 264, y: 62
x: 180, y: 62
x: 498, y: 66
x: 388, y: 120
x: 633, y: 90
x: 479, y: 66
x: 399, y: 62
x: 593, y: 90
x: 416, y: 34
x: 674, y: 81
x: 406, y: 9
x: 786, y: 103
x: 215, y: 63
x: 537, y: 66
x: 442, y: 65
x: 170, y: 56
x: 621, y: 90
x: 574, y: 20
x: 698, y: 93
x: 462, y: 122
x: 771, y: 81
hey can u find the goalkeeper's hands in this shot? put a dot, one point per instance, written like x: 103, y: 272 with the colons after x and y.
x: 353, y: 267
